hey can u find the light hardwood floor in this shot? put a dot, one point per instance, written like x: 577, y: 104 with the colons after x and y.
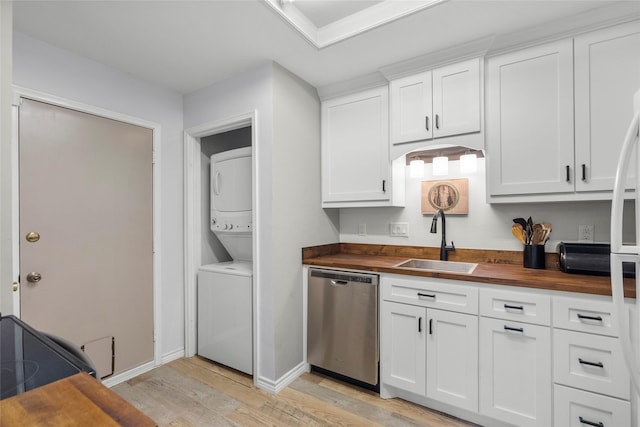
x: 195, y: 392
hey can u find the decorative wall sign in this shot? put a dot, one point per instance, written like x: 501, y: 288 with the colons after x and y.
x: 450, y: 195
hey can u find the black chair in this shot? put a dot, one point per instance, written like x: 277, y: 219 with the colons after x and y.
x: 73, y: 349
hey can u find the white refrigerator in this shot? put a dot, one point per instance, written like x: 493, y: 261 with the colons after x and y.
x: 630, y: 154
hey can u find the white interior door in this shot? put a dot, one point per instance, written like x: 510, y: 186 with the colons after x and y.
x: 86, y: 190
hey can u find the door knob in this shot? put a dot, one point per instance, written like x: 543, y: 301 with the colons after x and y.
x: 32, y: 236
x: 34, y: 277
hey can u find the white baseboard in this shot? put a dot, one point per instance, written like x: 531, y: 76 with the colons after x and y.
x: 276, y: 386
x: 139, y: 370
x: 170, y: 357
x: 127, y: 375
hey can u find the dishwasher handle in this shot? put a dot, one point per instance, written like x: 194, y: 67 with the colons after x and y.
x: 339, y: 283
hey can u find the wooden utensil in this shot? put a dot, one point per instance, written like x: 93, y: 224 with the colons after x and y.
x: 519, y: 233
x: 547, y: 230
x: 537, y: 237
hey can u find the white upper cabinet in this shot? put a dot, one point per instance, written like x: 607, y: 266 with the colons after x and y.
x: 440, y: 103
x: 607, y: 74
x: 557, y: 115
x: 356, y: 169
x: 456, y: 99
x: 530, y: 120
x: 411, y: 108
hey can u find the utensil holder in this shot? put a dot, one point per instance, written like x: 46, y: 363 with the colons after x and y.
x: 533, y: 256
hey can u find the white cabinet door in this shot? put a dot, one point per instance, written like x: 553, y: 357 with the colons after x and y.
x: 403, y: 347
x: 452, y: 358
x: 411, y: 108
x: 515, y: 372
x: 529, y: 139
x: 607, y: 74
x: 456, y: 99
x: 355, y: 148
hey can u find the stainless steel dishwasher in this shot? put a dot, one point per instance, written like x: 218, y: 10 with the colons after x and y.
x: 342, y: 333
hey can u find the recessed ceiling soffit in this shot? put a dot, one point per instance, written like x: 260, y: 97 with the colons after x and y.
x: 349, y: 25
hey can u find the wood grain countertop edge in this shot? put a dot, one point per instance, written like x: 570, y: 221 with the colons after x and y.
x: 494, y: 267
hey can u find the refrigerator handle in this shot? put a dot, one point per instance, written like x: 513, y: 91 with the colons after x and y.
x: 630, y: 140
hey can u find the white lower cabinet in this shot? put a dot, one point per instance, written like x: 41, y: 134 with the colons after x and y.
x: 501, y: 355
x: 452, y: 358
x: 430, y: 353
x: 403, y: 347
x: 592, y: 386
x: 577, y: 408
x: 515, y: 372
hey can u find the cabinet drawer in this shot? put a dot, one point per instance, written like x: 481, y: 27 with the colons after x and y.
x: 435, y: 293
x: 516, y: 306
x: 590, y: 362
x: 585, y: 315
x: 577, y: 408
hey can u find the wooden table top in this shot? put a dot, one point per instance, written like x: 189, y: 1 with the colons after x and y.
x: 499, y: 271
x: 79, y: 400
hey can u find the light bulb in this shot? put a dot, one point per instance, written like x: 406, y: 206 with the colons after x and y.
x: 440, y: 165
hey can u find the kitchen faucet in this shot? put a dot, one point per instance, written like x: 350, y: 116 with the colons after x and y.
x: 444, y: 249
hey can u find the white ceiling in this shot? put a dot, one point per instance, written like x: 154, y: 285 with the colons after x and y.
x: 188, y: 45
x: 325, y: 12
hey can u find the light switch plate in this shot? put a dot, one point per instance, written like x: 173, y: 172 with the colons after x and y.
x: 399, y: 229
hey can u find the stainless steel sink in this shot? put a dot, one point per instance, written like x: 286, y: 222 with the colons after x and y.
x: 436, y: 265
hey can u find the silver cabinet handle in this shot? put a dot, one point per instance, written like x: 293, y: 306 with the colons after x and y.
x: 426, y: 122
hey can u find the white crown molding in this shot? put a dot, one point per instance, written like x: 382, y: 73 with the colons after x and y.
x: 347, y: 87
x: 350, y: 26
x: 474, y: 49
x: 606, y: 16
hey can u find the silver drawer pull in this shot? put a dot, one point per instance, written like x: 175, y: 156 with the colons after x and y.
x: 591, y: 423
x: 509, y: 328
x: 586, y: 362
x: 420, y: 294
x: 585, y: 317
x: 513, y: 307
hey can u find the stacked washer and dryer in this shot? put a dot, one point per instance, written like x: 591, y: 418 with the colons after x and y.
x: 225, y: 315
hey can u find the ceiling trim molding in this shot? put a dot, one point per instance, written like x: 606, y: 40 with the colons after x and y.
x: 592, y: 20
x: 350, y: 26
x: 360, y: 83
x: 429, y: 61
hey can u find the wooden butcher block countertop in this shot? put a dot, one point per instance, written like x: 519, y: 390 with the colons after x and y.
x: 495, y: 267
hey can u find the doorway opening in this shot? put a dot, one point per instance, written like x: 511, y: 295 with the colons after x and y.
x: 203, y: 248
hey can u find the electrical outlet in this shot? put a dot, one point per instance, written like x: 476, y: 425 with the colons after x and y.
x: 362, y: 229
x: 399, y: 229
x: 586, y: 233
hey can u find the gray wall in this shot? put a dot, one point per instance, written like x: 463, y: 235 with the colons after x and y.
x: 287, y: 197
x: 54, y: 71
x: 298, y: 220
x: 6, y: 247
